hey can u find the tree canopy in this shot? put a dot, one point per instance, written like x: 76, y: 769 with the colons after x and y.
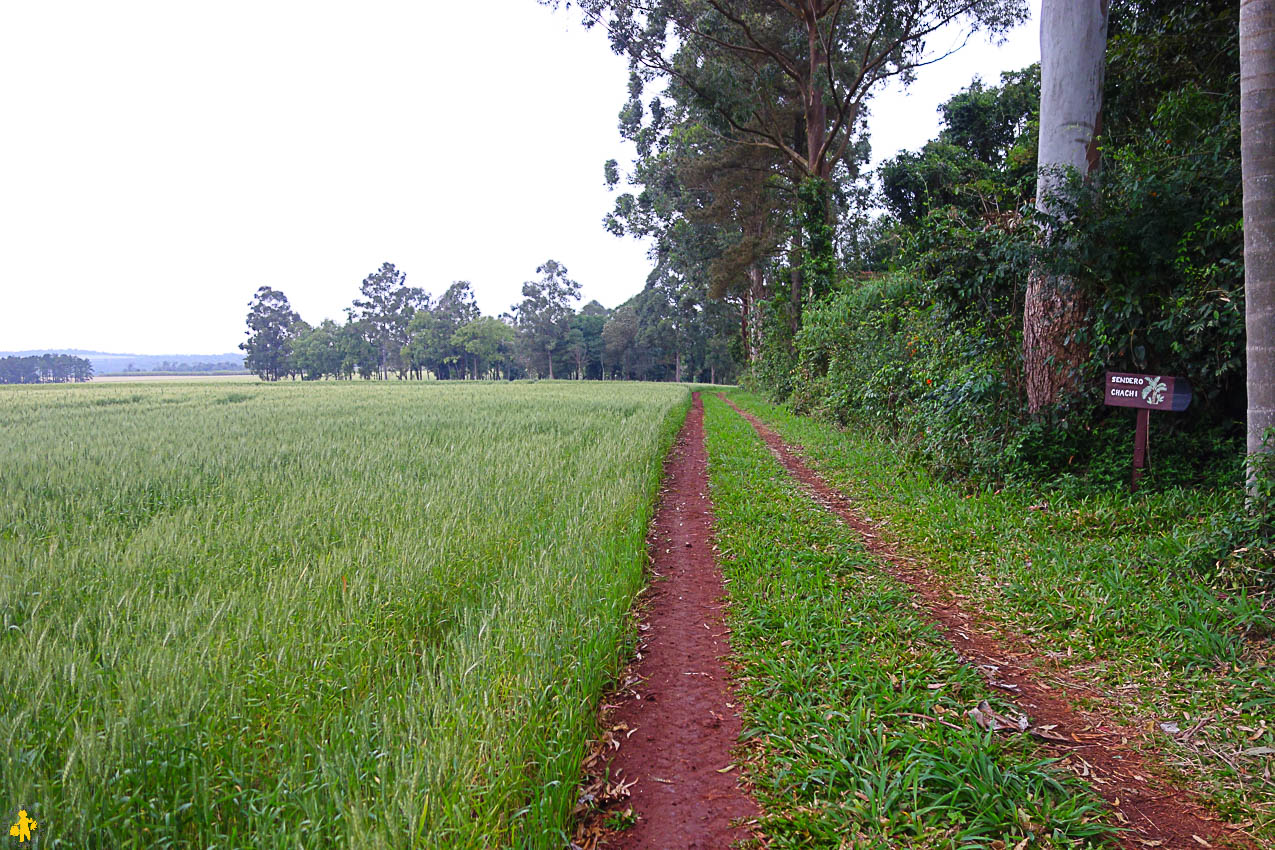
x: 45, y: 369
x: 393, y: 330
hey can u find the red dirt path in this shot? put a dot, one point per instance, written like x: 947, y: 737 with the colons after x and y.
x: 1154, y: 812
x: 682, y: 725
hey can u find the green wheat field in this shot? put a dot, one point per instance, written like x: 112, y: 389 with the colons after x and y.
x: 320, y: 615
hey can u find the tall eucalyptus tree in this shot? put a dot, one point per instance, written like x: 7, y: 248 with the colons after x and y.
x: 1257, y: 150
x: 386, y: 310
x: 1073, y: 41
x: 791, y: 76
x: 271, y: 323
x: 713, y: 209
x: 543, y: 316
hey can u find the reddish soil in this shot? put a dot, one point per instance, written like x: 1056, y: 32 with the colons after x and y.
x: 1149, y: 807
x: 676, y: 725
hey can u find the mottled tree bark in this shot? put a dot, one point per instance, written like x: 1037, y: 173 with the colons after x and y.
x: 1073, y: 43
x: 816, y: 108
x: 756, y: 294
x: 1257, y: 148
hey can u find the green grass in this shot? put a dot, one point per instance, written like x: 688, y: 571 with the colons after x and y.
x: 357, y: 615
x: 1123, y: 592
x: 845, y: 687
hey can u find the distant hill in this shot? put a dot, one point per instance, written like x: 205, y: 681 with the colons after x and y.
x: 106, y: 363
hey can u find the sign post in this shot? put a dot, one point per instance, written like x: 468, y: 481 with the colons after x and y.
x: 1145, y: 393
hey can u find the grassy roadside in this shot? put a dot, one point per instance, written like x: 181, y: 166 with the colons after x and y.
x: 1121, y: 592
x: 848, y: 692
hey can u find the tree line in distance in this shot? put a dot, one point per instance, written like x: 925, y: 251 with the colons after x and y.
x: 671, y: 330
x: 45, y: 369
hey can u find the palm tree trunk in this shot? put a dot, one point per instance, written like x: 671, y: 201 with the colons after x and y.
x: 1257, y: 150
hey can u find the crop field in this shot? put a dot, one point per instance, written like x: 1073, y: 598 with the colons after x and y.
x: 365, y: 615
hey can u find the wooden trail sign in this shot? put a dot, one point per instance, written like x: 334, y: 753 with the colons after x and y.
x: 1146, y: 393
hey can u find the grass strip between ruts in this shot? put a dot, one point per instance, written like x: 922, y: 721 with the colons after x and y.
x: 848, y: 691
x: 1122, y: 591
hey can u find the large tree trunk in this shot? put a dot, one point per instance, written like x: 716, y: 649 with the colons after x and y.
x: 1053, y: 315
x: 796, y: 248
x: 796, y: 256
x: 820, y: 216
x: 1257, y: 149
x: 816, y: 108
x: 757, y: 293
x: 1073, y: 43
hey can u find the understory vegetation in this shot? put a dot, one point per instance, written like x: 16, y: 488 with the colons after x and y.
x: 926, y: 342
x: 847, y: 686
x: 1124, y: 593
x: 375, y: 615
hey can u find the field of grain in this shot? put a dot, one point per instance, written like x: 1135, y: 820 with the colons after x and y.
x: 365, y: 615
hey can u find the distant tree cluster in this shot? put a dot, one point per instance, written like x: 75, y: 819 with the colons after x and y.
x: 45, y: 369
x: 198, y: 366
x: 669, y: 331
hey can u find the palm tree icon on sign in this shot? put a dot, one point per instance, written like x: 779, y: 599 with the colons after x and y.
x: 1153, y: 392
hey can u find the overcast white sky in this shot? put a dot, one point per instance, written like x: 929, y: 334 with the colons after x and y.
x: 161, y: 160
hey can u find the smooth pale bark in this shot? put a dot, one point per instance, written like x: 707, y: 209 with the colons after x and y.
x: 1073, y: 43
x: 1257, y: 149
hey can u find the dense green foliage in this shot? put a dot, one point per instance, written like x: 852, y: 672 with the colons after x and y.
x: 315, y: 615
x: 932, y: 350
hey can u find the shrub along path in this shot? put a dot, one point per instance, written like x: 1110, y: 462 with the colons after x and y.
x: 1150, y: 808
x: 678, y: 725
